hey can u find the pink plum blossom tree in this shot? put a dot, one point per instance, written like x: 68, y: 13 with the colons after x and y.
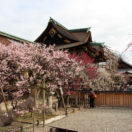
x: 27, y: 66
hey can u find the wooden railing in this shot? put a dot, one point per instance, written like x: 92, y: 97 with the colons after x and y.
x: 79, y: 99
x: 112, y: 99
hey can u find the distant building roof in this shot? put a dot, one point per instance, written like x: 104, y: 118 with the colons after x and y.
x: 14, y: 37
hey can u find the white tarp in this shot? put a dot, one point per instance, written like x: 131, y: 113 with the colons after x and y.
x: 127, y: 55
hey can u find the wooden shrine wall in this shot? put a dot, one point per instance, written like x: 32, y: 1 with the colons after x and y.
x: 109, y: 99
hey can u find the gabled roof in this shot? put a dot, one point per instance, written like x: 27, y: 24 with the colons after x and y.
x: 73, y: 35
x: 14, y: 37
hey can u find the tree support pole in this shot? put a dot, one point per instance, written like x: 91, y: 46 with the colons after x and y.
x: 43, y: 111
x: 33, y: 111
x: 61, y: 93
x: 33, y: 121
x: 43, y: 108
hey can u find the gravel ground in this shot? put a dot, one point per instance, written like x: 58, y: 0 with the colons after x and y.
x: 95, y: 120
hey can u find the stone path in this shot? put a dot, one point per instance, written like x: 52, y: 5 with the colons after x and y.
x: 95, y: 120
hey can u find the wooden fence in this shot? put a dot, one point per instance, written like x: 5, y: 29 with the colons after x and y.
x: 112, y: 99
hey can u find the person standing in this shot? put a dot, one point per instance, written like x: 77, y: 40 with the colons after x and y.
x: 92, y: 97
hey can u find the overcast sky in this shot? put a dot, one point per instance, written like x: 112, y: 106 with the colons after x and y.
x: 110, y: 20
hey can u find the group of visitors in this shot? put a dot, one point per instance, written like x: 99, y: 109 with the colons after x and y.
x: 92, y: 95
x: 125, y: 87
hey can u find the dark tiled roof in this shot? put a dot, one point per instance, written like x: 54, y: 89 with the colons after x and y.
x: 65, y: 32
x: 75, y: 35
x: 80, y: 35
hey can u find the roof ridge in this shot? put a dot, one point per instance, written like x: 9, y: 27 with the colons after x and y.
x: 14, y: 37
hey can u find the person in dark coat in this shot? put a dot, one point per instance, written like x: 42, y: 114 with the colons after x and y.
x: 92, y: 98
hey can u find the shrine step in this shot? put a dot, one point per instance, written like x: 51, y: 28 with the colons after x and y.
x: 57, y: 129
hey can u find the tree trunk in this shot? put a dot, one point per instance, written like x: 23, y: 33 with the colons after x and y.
x: 4, y: 99
x: 76, y: 101
x: 35, y: 97
x: 68, y: 100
